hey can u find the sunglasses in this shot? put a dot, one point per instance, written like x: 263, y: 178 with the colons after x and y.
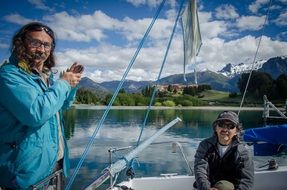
x: 223, y: 124
x: 35, y: 43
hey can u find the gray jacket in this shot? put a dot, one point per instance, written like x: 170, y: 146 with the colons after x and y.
x: 235, y: 166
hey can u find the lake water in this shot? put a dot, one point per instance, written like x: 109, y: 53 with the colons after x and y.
x: 122, y: 128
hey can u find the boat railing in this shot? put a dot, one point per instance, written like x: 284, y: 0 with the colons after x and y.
x: 268, y: 106
x: 176, y: 143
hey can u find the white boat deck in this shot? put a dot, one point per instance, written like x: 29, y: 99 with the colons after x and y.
x: 264, y: 180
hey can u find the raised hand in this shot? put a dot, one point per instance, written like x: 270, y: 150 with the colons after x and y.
x: 76, y: 68
x: 73, y: 74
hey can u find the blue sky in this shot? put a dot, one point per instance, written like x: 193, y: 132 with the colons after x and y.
x: 104, y: 34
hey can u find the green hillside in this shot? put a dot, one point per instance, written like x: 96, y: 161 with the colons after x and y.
x: 214, y: 95
x: 220, y: 98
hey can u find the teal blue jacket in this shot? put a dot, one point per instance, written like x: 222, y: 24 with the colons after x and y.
x: 28, y: 125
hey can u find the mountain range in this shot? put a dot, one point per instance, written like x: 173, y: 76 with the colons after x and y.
x: 223, y: 80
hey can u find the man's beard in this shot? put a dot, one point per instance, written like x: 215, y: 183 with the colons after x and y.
x: 36, y: 59
x: 38, y: 56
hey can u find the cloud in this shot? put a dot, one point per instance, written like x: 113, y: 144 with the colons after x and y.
x: 254, y: 7
x: 210, y: 28
x: 216, y: 53
x: 17, y: 19
x: 135, y: 29
x: 108, y: 62
x: 250, y: 22
x: 226, y: 12
x: 83, y: 28
x: 137, y: 3
x: 282, y: 19
x: 153, y: 3
x: 150, y: 3
x: 39, y: 4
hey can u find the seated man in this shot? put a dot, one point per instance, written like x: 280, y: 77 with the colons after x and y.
x: 222, y: 162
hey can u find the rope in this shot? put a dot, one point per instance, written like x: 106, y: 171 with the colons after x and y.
x: 159, y: 75
x: 255, y: 56
x: 113, y: 99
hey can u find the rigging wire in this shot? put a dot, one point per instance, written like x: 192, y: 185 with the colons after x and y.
x: 255, y: 56
x: 160, y: 72
x: 113, y: 98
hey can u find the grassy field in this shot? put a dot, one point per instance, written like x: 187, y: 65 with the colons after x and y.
x: 213, y: 97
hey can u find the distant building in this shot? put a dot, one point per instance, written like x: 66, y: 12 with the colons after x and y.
x: 177, y: 87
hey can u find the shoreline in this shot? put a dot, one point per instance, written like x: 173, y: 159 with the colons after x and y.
x: 101, y: 107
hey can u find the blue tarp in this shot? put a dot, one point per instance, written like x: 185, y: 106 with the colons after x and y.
x: 267, y: 140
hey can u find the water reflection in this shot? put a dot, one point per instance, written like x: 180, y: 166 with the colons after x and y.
x: 122, y: 128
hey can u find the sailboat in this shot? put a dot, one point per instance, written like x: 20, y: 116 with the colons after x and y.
x: 269, y: 177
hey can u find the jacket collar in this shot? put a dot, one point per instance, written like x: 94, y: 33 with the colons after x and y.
x: 20, y: 64
x: 24, y: 66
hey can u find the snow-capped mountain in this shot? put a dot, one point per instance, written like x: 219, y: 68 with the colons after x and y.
x: 231, y: 70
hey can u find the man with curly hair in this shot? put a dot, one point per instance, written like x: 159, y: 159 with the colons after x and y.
x: 32, y: 144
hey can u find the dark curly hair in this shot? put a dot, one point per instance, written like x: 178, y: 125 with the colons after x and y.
x: 18, y: 46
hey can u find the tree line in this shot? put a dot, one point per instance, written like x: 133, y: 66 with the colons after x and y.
x: 169, y: 97
x: 260, y: 83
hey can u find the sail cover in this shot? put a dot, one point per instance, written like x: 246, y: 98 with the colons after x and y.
x: 191, y: 32
x: 269, y: 140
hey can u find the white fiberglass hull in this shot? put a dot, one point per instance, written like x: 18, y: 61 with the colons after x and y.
x: 264, y: 180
